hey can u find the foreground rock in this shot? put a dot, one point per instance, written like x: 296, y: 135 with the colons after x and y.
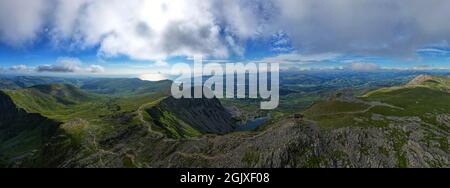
x: 288, y: 143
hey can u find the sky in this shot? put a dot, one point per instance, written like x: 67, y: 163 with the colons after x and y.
x: 143, y: 38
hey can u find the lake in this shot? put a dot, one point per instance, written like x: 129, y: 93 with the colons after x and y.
x: 251, y: 125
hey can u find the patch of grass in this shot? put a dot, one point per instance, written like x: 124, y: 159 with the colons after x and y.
x: 334, y: 107
x: 337, y: 114
x: 383, y: 151
x: 250, y: 157
x: 170, y: 124
x: 442, y: 141
x: 415, y: 101
x: 314, y: 162
x: 399, y: 140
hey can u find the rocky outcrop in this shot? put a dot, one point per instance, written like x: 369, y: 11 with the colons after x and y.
x: 289, y: 143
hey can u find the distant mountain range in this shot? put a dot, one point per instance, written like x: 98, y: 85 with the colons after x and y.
x: 398, y: 120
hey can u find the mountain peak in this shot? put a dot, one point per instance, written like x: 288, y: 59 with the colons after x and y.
x: 431, y: 81
x: 419, y: 80
x: 198, y: 115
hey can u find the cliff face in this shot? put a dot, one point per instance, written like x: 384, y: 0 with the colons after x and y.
x: 21, y: 132
x: 8, y: 110
x: 204, y: 115
x: 14, y: 120
x: 289, y: 143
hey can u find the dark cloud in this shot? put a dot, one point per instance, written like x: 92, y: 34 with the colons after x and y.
x: 95, y: 69
x: 63, y: 65
x: 182, y: 38
x: 362, y: 66
x: 154, y: 29
x: 388, y: 27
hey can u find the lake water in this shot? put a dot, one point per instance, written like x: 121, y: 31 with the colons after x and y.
x: 254, y: 124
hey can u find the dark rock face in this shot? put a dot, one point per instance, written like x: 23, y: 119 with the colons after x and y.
x: 8, y: 110
x: 14, y: 120
x: 205, y: 115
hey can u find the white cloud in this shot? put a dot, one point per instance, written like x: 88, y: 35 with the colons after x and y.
x: 20, y: 68
x: 95, y: 69
x: 21, y: 20
x: 153, y: 77
x: 302, y: 59
x: 433, y: 51
x: 243, y: 19
x: 387, y: 27
x: 281, y: 42
x: 141, y: 29
x: 361, y: 66
x: 69, y: 65
x: 63, y: 65
x: 422, y: 67
x: 156, y: 29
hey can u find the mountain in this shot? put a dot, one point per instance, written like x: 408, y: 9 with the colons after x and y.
x: 107, y: 86
x: 49, y: 98
x: 434, y: 82
x: 409, y: 124
x: 8, y: 84
x: 401, y: 126
x: 344, y: 131
x: 125, y: 86
x: 404, y: 126
x: 191, y: 117
x: 16, y: 82
x: 59, y: 119
x: 21, y: 132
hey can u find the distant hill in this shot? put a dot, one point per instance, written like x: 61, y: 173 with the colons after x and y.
x: 434, y: 82
x: 49, y: 98
x: 108, y: 86
x: 425, y: 96
x: 125, y: 86
x: 16, y: 82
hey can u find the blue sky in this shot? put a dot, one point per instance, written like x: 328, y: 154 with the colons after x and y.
x: 136, y: 37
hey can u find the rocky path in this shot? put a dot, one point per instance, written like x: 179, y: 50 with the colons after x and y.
x: 140, y: 112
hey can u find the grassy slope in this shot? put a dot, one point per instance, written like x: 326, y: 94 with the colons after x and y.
x: 424, y: 100
x: 335, y: 114
x: 168, y: 123
x: 86, y: 118
x: 89, y: 120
